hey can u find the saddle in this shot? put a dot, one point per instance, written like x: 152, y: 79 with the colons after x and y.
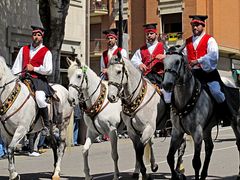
x: 54, y: 101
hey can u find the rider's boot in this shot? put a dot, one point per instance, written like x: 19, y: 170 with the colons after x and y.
x: 44, y: 114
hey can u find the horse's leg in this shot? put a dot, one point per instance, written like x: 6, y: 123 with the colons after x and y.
x: 181, y: 150
x: 18, y: 135
x: 175, y: 143
x: 147, y: 134
x: 236, y: 129
x: 154, y: 166
x: 60, y: 153
x: 196, y: 162
x: 208, y: 150
x: 53, y: 143
x: 114, y: 140
x: 89, y: 140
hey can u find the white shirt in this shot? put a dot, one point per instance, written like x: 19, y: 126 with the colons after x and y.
x: 209, y: 61
x: 110, y: 54
x: 45, y: 69
x: 137, y: 58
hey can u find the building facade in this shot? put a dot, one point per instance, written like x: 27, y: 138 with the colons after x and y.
x: 16, y: 30
x: 173, y: 21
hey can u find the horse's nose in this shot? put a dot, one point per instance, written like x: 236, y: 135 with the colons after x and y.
x: 112, y: 98
x: 71, y: 101
x: 167, y: 86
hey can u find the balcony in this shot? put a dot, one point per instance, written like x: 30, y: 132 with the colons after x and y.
x: 97, y: 46
x: 172, y: 39
x: 98, y: 8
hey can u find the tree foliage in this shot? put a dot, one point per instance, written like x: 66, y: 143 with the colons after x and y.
x: 53, y: 14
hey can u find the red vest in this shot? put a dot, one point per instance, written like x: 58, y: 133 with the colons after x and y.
x: 105, y: 56
x: 37, y: 59
x: 201, y: 49
x: 149, y: 59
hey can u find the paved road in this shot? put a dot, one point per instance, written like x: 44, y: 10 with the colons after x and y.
x: 224, y: 163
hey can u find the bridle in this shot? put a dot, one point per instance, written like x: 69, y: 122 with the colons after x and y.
x: 79, y: 88
x: 119, y: 86
x: 176, y: 70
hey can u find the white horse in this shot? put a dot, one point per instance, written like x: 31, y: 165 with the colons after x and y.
x: 143, y: 107
x: 192, y: 112
x: 18, y: 113
x: 101, y: 117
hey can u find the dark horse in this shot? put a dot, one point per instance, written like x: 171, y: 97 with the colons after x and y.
x: 193, y: 112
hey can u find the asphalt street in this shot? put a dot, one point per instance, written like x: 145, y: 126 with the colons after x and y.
x: 224, y: 163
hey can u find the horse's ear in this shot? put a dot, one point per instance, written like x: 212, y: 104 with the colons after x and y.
x: 180, y: 49
x: 165, y: 46
x: 69, y: 61
x: 78, y: 62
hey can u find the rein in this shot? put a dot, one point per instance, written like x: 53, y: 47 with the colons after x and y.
x: 97, y: 106
x: 131, y: 107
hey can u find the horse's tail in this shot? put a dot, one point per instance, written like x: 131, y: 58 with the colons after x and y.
x: 147, y: 152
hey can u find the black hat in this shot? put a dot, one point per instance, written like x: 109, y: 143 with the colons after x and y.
x: 111, y: 32
x: 150, y: 27
x: 198, y: 19
x: 38, y: 29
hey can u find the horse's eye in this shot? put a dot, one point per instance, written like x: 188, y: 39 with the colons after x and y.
x: 177, y: 63
x: 79, y: 76
x: 119, y: 72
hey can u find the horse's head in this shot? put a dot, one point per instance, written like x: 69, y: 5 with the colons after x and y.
x: 6, y: 76
x: 175, y: 67
x: 117, y: 77
x: 77, y: 81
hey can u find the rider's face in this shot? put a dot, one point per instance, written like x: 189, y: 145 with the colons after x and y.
x: 37, y: 39
x: 151, y: 37
x: 111, y: 41
x: 197, y: 29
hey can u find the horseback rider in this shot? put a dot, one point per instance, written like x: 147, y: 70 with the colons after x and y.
x: 202, y: 53
x: 112, y: 49
x: 36, y: 59
x: 149, y: 58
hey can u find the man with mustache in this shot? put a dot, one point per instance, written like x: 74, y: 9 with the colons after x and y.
x: 149, y: 58
x: 36, y: 59
x: 112, y: 49
x: 203, y: 54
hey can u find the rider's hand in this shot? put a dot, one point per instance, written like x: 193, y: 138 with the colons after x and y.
x: 104, y: 71
x: 29, y: 67
x: 193, y: 63
x: 160, y: 56
x: 143, y: 67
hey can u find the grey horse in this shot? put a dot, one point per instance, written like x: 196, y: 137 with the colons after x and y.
x: 193, y: 112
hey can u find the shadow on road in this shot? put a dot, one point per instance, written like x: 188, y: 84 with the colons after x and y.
x: 105, y: 176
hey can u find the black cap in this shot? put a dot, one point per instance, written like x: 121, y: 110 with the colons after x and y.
x: 37, y: 28
x: 113, y: 31
x: 150, y: 26
x: 198, y: 19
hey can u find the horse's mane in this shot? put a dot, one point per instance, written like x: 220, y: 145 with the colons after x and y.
x: 74, y: 66
x: 5, y: 70
x: 71, y: 69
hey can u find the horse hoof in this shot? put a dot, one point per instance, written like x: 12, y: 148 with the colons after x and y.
x: 181, y: 169
x: 147, y: 177
x: 89, y: 178
x: 56, y: 178
x: 17, y: 177
x: 238, y: 177
x: 154, y: 168
x: 117, y: 178
x: 135, y: 175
